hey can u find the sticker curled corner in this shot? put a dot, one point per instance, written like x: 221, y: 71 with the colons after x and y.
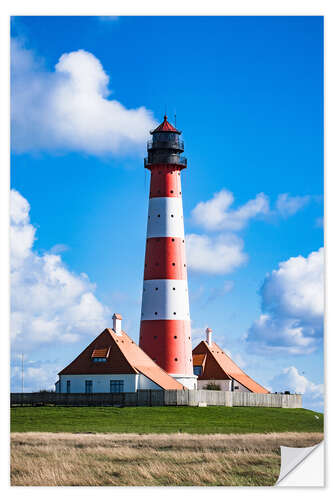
x: 302, y: 472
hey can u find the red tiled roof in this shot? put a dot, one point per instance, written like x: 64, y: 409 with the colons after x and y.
x: 165, y: 127
x: 125, y: 357
x: 218, y: 364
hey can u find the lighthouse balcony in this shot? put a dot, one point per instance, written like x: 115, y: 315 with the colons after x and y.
x: 177, y: 145
x: 174, y: 160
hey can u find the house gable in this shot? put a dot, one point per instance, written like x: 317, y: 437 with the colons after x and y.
x: 211, y: 369
x: 219, y: 366
x: 115, y: 361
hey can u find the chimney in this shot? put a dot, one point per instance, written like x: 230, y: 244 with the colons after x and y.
x: 209, y: 336
x: 117, y: 323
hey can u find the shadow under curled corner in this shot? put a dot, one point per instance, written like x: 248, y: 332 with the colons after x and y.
x: 302, y: 467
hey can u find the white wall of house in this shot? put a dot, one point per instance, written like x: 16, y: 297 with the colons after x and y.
x: 101, y: 383
x: 225, y: 385
x: 146, y: 383
x: 188, y: 381
x: 239, y: 387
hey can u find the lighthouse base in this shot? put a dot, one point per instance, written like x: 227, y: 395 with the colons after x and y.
x: 189, y: 381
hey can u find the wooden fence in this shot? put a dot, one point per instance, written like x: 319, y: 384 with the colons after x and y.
x: 158, y: 398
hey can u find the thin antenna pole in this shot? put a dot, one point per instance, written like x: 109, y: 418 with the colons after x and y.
x: 175, y: 120
x: 22, y: 373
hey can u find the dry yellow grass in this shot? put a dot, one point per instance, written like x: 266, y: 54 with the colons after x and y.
x: 62, y: 459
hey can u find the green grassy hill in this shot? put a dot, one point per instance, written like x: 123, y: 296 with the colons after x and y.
x: 145, y: 420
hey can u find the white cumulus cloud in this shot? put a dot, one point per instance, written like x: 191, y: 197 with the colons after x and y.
x: 216, y: 213
x: 69, y: 109
x: 214, y: 255
x: 292, y: 307
x: 291, y: 380
x: 49, y: 303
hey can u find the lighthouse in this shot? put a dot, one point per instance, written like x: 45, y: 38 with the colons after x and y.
x: 165, y: 330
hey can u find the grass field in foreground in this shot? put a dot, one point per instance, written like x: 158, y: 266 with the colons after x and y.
x: 64, y: 459
x: 165, y: 419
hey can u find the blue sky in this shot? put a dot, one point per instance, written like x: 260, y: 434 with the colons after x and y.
x: 248, y: 94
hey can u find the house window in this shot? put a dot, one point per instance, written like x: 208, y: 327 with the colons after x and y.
x: 68, y: 386
x: 99, y: 360
x: 116, y: 386
x: 88, y: 386
x: 197, y: 370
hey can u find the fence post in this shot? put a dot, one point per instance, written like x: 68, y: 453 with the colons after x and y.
x: 229, y: 398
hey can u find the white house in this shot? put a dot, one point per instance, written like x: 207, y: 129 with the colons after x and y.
x: 213, y: 366
x: 113, y: 362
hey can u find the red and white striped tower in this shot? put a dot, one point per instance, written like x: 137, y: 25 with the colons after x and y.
x: 165, y: 333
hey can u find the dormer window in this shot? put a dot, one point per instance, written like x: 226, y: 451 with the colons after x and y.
x: 100, y: 355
